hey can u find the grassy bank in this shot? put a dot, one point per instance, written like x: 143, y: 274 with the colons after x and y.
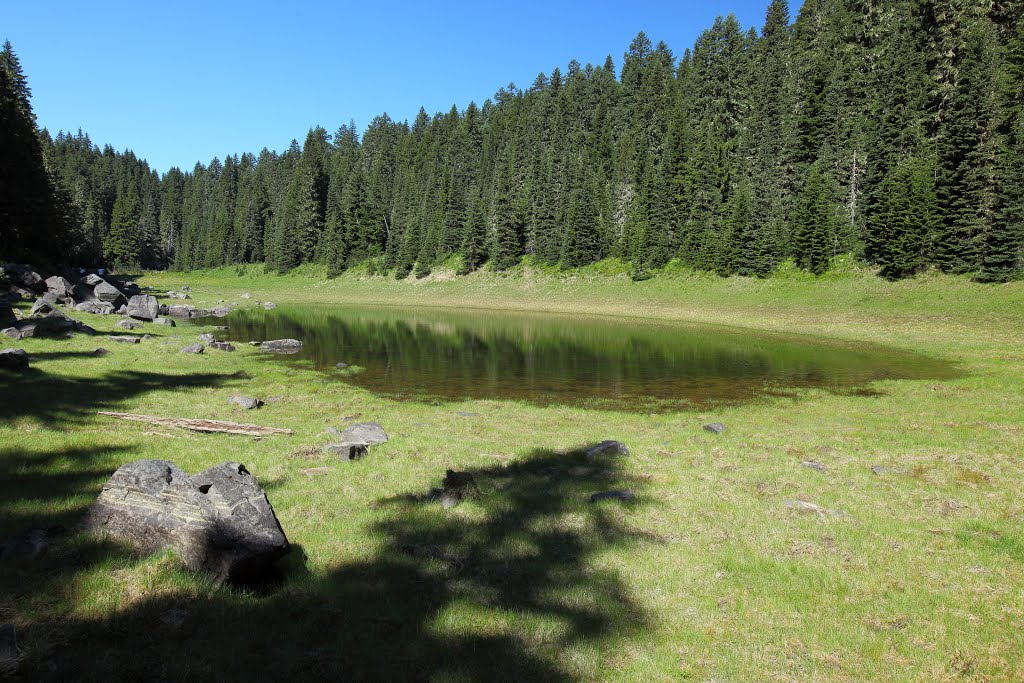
x: 913, y: 573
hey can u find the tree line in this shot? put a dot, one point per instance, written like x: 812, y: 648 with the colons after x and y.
x: 886, y: 129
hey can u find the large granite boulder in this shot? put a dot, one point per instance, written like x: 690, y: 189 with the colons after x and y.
x: 281, y: 346
x: 218, y: 521
x: 14, y: 360
x: 60, y: 287
x: 105, y: 291
x: 143, y: 307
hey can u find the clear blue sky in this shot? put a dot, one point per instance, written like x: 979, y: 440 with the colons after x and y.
x: 180, y: 82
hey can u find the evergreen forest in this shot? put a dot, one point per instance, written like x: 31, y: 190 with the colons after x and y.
x: 889, y: 130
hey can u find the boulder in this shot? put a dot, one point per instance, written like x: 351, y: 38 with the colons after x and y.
x: 25, y: 275
x: 7, y: 316
x: 122, y: 310
x: 164, y: 321
x: 218, y: 521
x: 207, y: 338
x: 623, y: 494
x: 91, y: 280
x: 281, y: 346
x: 177, y: 295
x: 60, y: 287
x: 198, y: 313
x: 341, y: 366
x: 179, y: 311
x: 124, y: 340
x: 88, y: 307
x: 347, y: 449
x: 42, y: 307
x: 246, y: 402
x: 14, y: 360
x: 105, y: 291
x: 714, y: 428
x: 193, y: 348
x: 269, y: 306
x: 220, y: 311
x: 369, y: 433
x: 129, y: 324
x: 221, y: 346
x: 12, y: 332
x: 607, y: 448
x: 143, y: 307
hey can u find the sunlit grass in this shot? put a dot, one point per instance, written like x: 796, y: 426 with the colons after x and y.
x: 915, y: 573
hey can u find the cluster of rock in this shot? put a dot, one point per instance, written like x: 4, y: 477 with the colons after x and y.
x: 357, y: 439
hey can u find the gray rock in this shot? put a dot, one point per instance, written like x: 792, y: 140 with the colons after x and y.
x: 42, y: 307
x: 88, y: 307
x: 178, y: 295
x: 814, y: 465
x: 341, y: 366
x: 30, y: 543
x: 220, y: 311
x: 14, y: 360
x: 281, y: 346
x: 193, y: 348
x: 143, y: 307
x: 164, y: 321
x: 457, y: 487
x: 186, y: 288
x: 198, y: 313
x: 100, y: 351
x: 7, y: 316
x: 246, y: 295
x: 105, y: 291
x: 221, y: 346
x: 179, y: 311
x: 246, y: 402
x: 8, y: 650
x: 123, y: 310
x: 12, y: 332
x: 129, y: 324
x: 622, y: 494
x: 219, y: 520
x: 607, y: 448
x: 269, y: 306
x: 714, y: 427
x: 369, y: 433
x: 463, y: 413
x: 207, y: 338
x: 124, y: 340
x: 348, y: 449
x: 91, y: 280
x: 60, y: 287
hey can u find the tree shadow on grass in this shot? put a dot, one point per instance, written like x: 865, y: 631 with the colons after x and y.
x: 68, y: 400
x: 509, y: 586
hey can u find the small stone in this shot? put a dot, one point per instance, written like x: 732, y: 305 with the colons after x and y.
x: 207, y: 338
x: 607, y: 448
x: 164, y: 321
x: 220, y: 311
x: 221, y: 346
x: 15, y: 360
x: 129, y: 324
x: 350, y: 450
x: 186, y: 288
x: 246, y: 295
x: 463, y: 413
x: 281, y: 346
x: 622, y: 494
x: 175, y: 618
x: 814, y: 465
x: 365, y: 432
x: 341, y: 366
x: 246, y: 402
x: 100, y: 352
x: 714, y: 427
x: 124, y: 340
x: 804, y: 506
x: 193, y: 348
x: 878, y: 469
x: 269, y: 306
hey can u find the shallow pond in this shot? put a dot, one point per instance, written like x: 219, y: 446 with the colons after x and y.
x: 610, y: 363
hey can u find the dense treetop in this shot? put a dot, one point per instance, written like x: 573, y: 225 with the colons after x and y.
x: 887, y: 129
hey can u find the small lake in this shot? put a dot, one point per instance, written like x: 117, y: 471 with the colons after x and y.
x: 606, y: 363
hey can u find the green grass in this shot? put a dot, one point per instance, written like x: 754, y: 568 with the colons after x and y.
x: 708, y: 576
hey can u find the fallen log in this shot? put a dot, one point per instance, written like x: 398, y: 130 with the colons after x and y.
x: 201, y: 425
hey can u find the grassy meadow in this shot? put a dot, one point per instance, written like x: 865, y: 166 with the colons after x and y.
x: 913, y: 572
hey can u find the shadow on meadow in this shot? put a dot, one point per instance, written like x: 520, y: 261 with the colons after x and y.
x: 507, y: 586
x: 60, y: 401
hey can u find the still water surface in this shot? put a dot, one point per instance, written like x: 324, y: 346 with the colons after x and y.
x: 609, y: 363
